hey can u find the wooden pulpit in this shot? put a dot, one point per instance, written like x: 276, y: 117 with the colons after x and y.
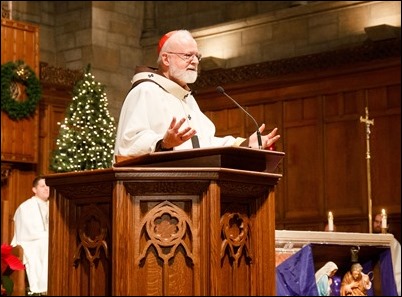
x: 181, y: 223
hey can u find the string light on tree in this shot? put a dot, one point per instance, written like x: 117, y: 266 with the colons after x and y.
x: 87, y: 134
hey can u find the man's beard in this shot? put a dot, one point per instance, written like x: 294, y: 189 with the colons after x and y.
x: 187, y: 76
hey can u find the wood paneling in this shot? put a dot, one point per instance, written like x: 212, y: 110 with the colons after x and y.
x: 344, y: 162
x: 318, y: 116
x: 53, y: 112
x: 57, y: 85
x: 19, y: 138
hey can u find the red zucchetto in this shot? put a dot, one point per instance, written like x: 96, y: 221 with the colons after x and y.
x: 164, y: 39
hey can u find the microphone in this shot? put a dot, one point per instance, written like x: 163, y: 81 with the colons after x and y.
x: 222, y: 91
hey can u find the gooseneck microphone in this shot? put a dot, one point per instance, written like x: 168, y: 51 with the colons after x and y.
x: 222, y: 91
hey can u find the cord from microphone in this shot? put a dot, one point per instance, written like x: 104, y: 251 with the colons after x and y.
x: 219, y: 89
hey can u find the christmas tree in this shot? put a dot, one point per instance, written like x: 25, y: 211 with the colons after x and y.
x: 86, y: 137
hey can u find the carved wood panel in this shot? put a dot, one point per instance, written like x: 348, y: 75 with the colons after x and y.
x: 157, y: 234
x: 167, y: 258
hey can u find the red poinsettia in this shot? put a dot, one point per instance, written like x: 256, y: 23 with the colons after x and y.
x: 11, y: 261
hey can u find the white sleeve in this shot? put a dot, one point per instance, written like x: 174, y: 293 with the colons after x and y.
x: 142, y: 120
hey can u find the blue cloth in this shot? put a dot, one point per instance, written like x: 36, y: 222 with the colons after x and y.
x: 296, y: 275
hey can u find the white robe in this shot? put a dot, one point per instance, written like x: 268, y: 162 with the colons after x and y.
x: 148, y: 111
x: 31, y: 231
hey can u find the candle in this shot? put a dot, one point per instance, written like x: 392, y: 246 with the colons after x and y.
x: 330, y: 221
x: 384, y: 219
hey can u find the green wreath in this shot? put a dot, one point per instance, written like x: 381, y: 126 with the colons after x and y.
x: 12, y: 74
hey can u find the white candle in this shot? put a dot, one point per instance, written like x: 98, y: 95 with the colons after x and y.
x: 330, y: 221
x: 384, y: 219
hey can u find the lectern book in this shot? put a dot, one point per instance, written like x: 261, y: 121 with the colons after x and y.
x: 226, y: 157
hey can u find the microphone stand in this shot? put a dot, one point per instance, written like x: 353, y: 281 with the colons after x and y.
x: 222, y: 91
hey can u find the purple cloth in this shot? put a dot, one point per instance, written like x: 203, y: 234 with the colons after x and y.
x: 388, y: 286
x: 296, y: 275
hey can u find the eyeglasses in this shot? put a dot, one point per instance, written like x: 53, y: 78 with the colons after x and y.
x: 187, y: 57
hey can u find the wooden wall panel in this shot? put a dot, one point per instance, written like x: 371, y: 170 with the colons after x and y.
x: 20, y: 41
x: 385, y: 147
x: 19, y: 139
x: 51, y: 115
x: 301, y: 132
x: 342, y: 167
x: 272, y: 114
x: 227, y: 121
x: 304, y: 175
x: 344, y: 155
x: 57, y: 85
x: 257, y: 111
